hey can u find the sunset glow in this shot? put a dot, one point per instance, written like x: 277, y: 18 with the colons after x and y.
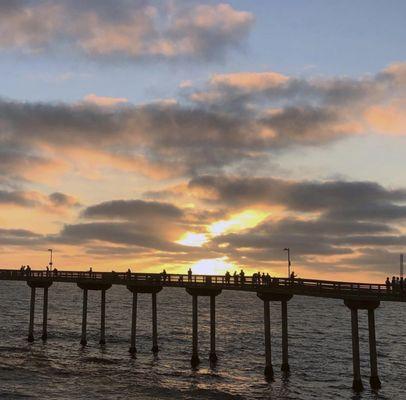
x: 214, y: 266
x: 193, y: 239
x: 160, y: 134
x: 244, y: 220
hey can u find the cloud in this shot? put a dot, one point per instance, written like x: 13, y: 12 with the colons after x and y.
x: 122, y: 29
x: 249, y: 81
x: 331, y: 220
x: 19, y: 237
x: 302, y: 196
x: 389, y: 118
x: 59, y: 199
x: 133, y: 210
x: 104, y: 101
x: 120, y: 233
x: 19, y: 198
x: 251, y: 117
x: 54, y: 202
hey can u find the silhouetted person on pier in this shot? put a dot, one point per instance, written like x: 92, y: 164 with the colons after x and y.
x: 22, y: 269
x: 393, y: 284
x: 227, y: 277
x: 55, y: 271
x: 242, y: 277
x: 28, y: 270
x: 254, y: 278
x: 164, y: 275
x: 292, y: 276
x: 268, y: 279
x: 401, y: 284
x: 235, y: 278
x: 397, y: 284
x: 128, y: 273
x: 90, y: 271
x: 387, y: 283
x: 189, y: 275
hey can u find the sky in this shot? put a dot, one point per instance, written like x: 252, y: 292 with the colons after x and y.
x: 173, y: 134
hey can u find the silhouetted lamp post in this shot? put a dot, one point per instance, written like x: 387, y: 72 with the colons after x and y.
x: 289, y: 263
x: 50, y: 259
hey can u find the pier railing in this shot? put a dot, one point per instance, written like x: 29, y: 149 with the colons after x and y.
x: 312, y: 287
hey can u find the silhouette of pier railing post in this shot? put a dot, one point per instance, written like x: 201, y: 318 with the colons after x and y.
x: 267, y: 297
x: 87, y: 284
x: 196, y: 291
x: 33, y: 284
x: 370, y: 306
x: 144, y: 287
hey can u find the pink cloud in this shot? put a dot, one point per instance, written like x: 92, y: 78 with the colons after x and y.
x: 104, y: 101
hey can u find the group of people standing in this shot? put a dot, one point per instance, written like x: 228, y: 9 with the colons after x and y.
x: 396, y: 284
x: 25, y: 270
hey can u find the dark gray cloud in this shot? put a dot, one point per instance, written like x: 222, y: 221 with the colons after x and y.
x: 351, y: 199
x: 63, y: 200
x: 37, y: 199
x: 20, y: 237
x: 17, y: 198
x: 121, y: 233
x: 133, y: 210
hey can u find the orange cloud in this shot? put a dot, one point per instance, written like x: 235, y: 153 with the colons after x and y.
x: 104, y: 101
x: 389, y: 118
x: 250, y: 80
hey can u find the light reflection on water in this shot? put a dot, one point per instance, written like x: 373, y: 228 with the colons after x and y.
x: 319, y: 348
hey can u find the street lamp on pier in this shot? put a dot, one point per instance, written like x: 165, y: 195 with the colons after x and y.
x: 50, y: 259
x: 287, y: 249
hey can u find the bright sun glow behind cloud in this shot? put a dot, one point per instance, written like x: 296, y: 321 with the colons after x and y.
x: 193, y: 239
x: 246, y: 219
x: 212, y: 266
x: 237, y: 222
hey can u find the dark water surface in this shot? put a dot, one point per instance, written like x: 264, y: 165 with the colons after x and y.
x: 319, y: 339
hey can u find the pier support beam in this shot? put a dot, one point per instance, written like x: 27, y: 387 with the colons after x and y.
x: 267, y: 330
x: 154, y: 325
x: 83, y: 339
x: 45, y: 315
x: 285, y: 352
x: 133, y: 348
x: 213, y: 355
x: 32, y: 315
x: 137, y: 288
x: 103, y: 318
x: 374, y: 378
x: 354, y: 306
x: 195, y: 292
x: 195, y: 351
x: 86, y: 285
x: 357, y: 381
x: 267, y: 297
x: 42, y: 284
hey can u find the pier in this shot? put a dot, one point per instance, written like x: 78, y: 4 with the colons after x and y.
x: 357, y: 297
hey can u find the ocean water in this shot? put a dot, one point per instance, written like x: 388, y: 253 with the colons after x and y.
x: 319, y: 348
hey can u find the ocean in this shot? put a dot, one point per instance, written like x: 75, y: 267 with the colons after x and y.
x: 319, y: 348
